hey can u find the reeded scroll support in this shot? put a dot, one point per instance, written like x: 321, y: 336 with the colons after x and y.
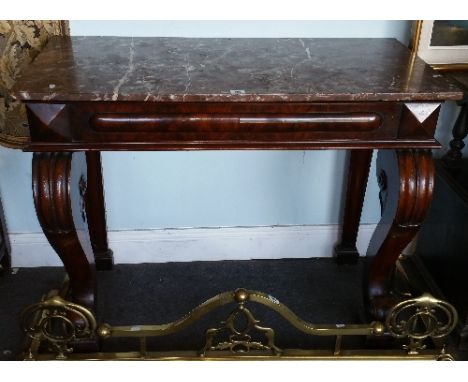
x: 406, y: 180
x: 59, y: 189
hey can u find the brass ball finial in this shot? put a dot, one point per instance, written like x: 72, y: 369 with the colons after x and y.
x: 104, y: 331
x: 379, y: 328
x: 241, y: 295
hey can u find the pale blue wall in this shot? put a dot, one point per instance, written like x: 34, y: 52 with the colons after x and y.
x: 190, y: 189
x: 199, y: 189
x: 15, y: 191
x: 367, y: 28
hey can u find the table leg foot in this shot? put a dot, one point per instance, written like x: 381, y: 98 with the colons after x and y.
x: 345, y: 254
x: 406, y: 180
x: 104, y: 260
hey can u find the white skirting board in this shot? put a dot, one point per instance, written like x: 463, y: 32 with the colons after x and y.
x: 199, y: 244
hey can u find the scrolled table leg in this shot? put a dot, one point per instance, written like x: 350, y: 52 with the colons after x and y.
x: 406, y: 180
x: 59, y: 187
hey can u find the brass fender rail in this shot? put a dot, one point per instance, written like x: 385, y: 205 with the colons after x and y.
x: 59, y: 324
x: 240, y: 296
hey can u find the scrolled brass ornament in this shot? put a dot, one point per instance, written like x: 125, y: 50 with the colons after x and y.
x: 239, y: 339
x: 58, y: 322
x: 421, y: 318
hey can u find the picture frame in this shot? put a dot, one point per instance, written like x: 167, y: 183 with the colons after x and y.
x: 441, y: 43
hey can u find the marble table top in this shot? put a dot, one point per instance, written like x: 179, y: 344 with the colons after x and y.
x: 229, y: 70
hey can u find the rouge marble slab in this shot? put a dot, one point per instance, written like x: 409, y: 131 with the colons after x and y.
x: 229, y: 70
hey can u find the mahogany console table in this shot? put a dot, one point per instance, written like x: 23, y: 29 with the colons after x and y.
x: 88, y: 94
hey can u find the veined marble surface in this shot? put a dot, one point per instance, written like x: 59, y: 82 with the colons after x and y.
x: 229, y: 69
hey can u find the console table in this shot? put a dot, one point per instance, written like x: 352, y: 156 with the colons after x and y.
x: 88, y: 94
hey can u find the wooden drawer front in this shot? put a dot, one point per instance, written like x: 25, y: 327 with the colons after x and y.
x: 229, y: 126
x: 214, y: 124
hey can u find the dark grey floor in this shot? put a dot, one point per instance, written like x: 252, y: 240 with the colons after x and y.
x: 317, y: 290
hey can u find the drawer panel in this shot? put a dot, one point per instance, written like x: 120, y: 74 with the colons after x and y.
x: 247, y: 124
x: 130, y: 125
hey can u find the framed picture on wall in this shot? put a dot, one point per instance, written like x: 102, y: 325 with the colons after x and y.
x: 442, y: 43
